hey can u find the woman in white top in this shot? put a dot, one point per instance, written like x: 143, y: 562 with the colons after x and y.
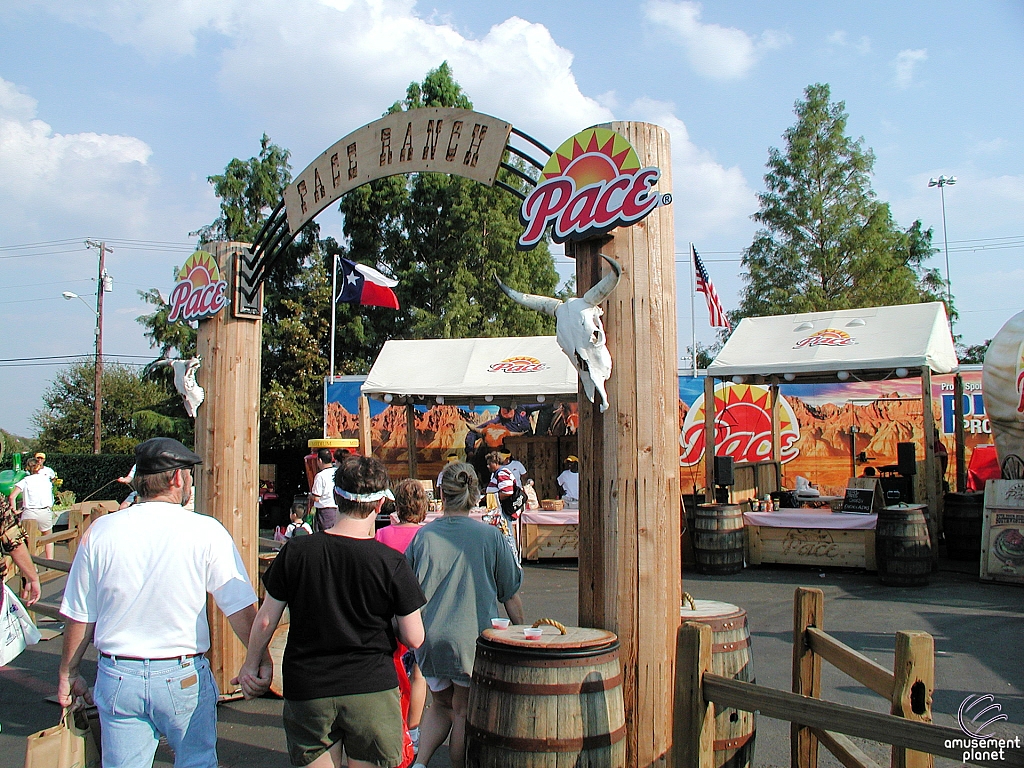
x: 36, y: 491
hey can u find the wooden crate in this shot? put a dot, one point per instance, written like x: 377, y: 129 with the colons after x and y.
x: 545, y: 541
x: 811, y: 546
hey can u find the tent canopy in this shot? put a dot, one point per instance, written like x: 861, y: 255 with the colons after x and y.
x: 817, y: 347
x: 469, y: 370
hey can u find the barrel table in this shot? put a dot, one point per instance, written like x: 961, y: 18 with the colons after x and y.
x: 552, y: 701
x: 718, y: 542
x: 903, y: 546
x: 730, y: 657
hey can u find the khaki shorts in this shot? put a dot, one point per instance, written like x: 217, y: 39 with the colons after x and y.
x: 42, y: 517
x: 369, y: 726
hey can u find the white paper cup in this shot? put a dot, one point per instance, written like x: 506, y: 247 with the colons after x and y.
x: 532, y: 633
x: 500, y: 623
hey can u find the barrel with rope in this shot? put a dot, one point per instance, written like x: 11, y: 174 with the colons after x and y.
x: 735, y: 730
x: 553, y: 700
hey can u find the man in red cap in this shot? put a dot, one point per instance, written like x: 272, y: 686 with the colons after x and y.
x: 137, y: 590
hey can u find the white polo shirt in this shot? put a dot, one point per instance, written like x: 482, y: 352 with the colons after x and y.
x: 37, y: 491
x: 142, y: 575
x: 323, y: 488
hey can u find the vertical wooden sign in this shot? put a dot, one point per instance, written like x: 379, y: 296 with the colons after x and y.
x: 228, y: 439
x: 629, y: 480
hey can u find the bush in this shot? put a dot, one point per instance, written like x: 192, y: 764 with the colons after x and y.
x: 86, y: 474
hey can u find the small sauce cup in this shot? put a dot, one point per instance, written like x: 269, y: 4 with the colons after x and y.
x: 532, y: 633
x: 500, y: 623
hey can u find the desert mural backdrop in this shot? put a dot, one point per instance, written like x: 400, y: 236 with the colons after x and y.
x: 815, y: 426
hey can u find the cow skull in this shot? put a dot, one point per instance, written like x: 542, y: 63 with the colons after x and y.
x: 185, y: 382
x: 579, y: 330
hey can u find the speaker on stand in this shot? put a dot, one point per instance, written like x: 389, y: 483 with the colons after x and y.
x: 724, y: 479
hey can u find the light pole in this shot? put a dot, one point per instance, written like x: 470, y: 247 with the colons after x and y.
x: 942, y: 182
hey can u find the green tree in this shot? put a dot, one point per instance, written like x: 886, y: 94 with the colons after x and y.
x: 973, y: 354
x: 133, y: 410
x: 826, y: 242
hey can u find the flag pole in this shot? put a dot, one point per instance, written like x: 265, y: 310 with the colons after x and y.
x: 334, y: 309
x: 693, y: 316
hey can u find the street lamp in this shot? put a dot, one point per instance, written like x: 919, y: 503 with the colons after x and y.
x: 942, y: 182
x: 97, y: 382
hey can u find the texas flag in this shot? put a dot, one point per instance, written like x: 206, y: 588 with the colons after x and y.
x: 364, y: 285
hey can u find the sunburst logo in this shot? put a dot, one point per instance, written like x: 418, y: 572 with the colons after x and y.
x: 743, y: 426
x: 827, y: 337
x: 592, y: 183
x: 200, y: 291
x: 519, y: 364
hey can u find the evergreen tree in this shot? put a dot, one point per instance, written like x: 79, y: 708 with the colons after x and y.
x: 826, y: 241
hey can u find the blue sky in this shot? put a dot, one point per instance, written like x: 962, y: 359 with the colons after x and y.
x: 113, y: 114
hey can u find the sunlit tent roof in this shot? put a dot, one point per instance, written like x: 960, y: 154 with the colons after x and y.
x: 867, y: 344
x: 464, y: 370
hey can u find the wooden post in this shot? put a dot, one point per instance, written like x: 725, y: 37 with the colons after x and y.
x: 932, y: 494
x: 365, y: 441
x: 776, y: 437
x: 709, y: 438
x: 914, y: 672
x: 808, y: 611
x: 228, y: 439
x: 629, y: 492
x: 958, y: 433
x: 410, y: 438
x: 694, y: 729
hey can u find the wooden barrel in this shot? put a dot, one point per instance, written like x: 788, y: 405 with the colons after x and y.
x: 962, y: 524
x: 553, y: 701
x: 718, y: 538
x: 735, y: 730
x: 902, y: 546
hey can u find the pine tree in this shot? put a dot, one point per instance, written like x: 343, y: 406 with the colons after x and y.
x: 826, y: 241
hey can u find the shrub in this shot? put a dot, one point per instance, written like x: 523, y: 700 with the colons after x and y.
x: 92, y: 476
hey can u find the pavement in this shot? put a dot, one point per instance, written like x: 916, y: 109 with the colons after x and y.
x: 977, y: 627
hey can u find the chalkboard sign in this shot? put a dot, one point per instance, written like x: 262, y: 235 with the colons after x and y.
x: 859, y: 500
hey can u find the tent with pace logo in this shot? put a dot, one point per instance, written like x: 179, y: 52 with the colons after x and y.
x: 464, y: 371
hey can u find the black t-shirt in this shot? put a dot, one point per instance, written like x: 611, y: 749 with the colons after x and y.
x: 342, y: 594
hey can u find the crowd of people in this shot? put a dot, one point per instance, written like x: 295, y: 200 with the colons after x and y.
x: 373, y: 615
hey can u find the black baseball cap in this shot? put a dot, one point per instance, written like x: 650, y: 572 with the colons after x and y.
x: 162, y: 454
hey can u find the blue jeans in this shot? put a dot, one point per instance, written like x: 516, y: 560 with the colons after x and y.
x: 140, y: 700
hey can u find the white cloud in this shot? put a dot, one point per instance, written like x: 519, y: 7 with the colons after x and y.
x: 706, y: 196
x: 905, y: 64
x: 99, y: 178
x: 862, y: 46
x: 717, y: 52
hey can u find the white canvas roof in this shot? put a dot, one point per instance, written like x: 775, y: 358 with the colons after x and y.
x: 470, y: 369
x: 868, y: 343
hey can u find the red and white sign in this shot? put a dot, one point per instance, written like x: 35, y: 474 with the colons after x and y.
x: 827, y: 337
x: 592, y: 183
x: 518, y: 365
x: 200, y: 292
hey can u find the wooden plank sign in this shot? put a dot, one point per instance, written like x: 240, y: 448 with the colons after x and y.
x: 859, y: 500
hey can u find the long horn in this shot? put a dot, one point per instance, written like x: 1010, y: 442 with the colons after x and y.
x: 604, y: 288
x: 544, y: 304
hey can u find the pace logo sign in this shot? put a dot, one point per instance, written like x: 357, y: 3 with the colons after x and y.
x: 827, y: 337
x: 200, y: 292
x: 591, y: 184
x: 518, y: 365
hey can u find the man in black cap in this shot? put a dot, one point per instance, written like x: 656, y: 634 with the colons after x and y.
x: 137, y: 590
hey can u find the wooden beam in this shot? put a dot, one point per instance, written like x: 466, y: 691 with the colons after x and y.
x: 930, y: 469
x: 914, y: 672
x: 808, y: 611
x: 709, y: 438
x: 630, y: 563
x: 958, y: 432
x: 856, y: 665
x: 410, y: 439
x: 875, y: 726
x: 694, y: 728
x: 365, y: 432
x: 845, y: 751
x: 56, y: 565
x: 776, y: 437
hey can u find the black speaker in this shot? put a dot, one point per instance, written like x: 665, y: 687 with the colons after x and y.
x: 906, y: 458
x: 723, y: 470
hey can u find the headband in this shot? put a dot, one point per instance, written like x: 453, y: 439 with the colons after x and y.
x: 364, y: 498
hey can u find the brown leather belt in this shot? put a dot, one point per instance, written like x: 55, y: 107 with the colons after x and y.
x: 116, y: 656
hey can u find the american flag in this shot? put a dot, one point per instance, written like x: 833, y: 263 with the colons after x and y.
x: 705, y: 286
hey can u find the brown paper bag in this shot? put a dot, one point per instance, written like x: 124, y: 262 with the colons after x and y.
x: 67, y: 745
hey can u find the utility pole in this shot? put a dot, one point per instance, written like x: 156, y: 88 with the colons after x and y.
x: 103, y: 284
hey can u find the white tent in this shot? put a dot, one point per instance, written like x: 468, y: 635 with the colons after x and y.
x: 865, y: 344
x: 465, y: 370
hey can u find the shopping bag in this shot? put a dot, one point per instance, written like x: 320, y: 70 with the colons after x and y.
x: 67, y: 745
x: 16, y: 628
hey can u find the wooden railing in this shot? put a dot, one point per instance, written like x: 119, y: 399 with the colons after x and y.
x: 914, y: 738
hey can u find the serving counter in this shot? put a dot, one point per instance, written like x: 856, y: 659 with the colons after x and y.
x: 550, y: 534
x: 811, y: 537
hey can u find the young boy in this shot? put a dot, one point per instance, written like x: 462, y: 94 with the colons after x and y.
x: 298, y: 525
x: 342, y: 589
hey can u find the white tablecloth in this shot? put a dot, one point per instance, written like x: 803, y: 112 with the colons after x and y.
x: 811, y: 518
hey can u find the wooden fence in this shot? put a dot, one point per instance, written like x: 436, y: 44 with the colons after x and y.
x: 908, y: 688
